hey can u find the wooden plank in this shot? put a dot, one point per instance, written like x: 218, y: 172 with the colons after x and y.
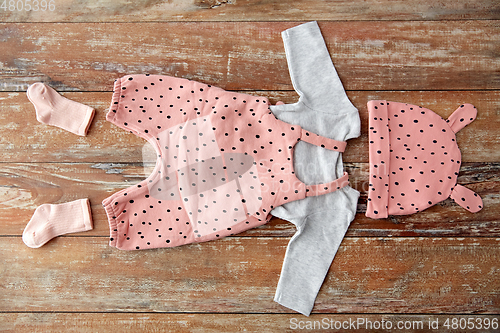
x: 78, y: 283
x: 24, y: 139
x: 239, y: 275
x: 252, y: 10
x: 452, y: 55
x: 24, y: 186
x: 217, y: 323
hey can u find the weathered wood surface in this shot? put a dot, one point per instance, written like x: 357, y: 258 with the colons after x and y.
x: 254, y: 10
x: 239, y: 275
x: 217, y: 323
x: 24, y: 139
x: 25, y: 186
x: 453, y: 55
x: 440, y: 263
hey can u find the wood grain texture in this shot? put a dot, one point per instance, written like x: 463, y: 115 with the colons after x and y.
x: 440, y: 263
x: 454, y: 55
x: 239, y: 275
x: 254, y: 10
x: 25, y: 186
x: 24, y: 139
x: 217, y: 323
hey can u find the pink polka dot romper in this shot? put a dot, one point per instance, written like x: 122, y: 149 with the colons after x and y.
x: 223, y: 162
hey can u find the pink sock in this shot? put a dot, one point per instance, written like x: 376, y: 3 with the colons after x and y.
x: 53, y: 109
x: 50, y: 221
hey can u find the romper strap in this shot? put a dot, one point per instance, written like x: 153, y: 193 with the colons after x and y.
x: 320, y: 189
x: 321, y: 141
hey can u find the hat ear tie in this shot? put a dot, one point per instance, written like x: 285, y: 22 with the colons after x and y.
x: 466, y: 198
x: 461, y: 117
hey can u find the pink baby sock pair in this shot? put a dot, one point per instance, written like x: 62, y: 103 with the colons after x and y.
x: 53, y: 109
x: 50, y: 221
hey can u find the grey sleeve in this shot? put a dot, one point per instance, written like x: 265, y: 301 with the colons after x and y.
x: 311, y: 251
x: 312, y: 72
x: 321, y: 221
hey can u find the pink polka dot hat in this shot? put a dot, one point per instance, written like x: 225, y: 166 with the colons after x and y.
x: 414, y: 159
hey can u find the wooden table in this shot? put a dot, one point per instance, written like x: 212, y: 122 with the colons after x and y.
x: 441, y: 264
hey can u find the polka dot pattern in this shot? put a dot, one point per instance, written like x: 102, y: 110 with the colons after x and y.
x: 223, y: 163
x: 414, y: 158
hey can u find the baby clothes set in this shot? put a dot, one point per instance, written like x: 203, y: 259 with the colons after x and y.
x: 226, y: 161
